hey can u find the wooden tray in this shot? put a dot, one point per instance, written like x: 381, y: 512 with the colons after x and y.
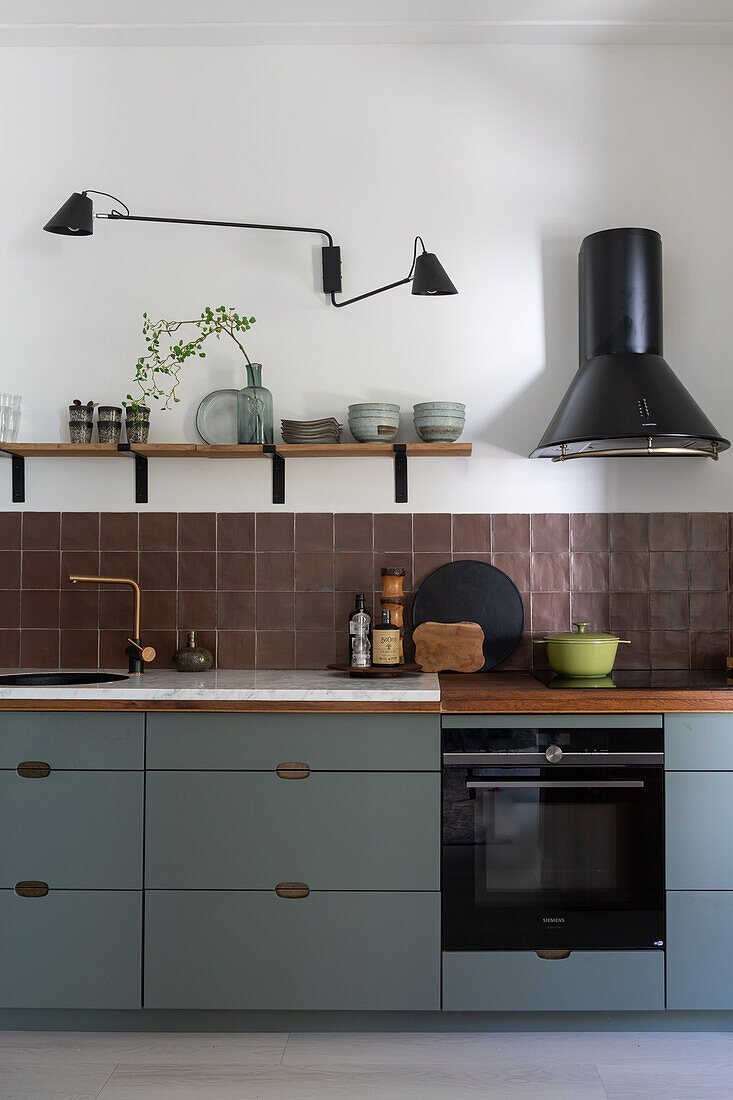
x: 377, y: 671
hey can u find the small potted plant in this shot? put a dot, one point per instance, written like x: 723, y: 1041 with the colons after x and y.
x: 157, y: 374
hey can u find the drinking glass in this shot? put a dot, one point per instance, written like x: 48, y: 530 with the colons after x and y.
x: 9, y: 417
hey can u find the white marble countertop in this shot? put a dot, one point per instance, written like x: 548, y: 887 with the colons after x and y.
x: 264, y: 685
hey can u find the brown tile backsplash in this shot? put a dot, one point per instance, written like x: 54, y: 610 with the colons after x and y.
x: 274, y: 590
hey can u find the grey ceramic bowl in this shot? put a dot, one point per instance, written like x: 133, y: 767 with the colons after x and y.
x: 433, y: 408
x: 374, y: 421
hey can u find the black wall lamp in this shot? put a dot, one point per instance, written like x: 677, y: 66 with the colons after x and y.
x: 427, y: 275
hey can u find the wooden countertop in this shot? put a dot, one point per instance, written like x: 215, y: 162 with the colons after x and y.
x: 520, y: 692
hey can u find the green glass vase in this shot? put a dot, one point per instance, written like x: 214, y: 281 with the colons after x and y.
x: 254, y: 409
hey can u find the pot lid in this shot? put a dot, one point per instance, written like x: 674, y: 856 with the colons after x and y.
x: 582, y: 634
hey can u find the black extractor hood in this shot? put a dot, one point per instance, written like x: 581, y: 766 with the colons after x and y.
x: 625, y: 399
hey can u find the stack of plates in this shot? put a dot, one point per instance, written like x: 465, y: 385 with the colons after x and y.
x: 327, y: 430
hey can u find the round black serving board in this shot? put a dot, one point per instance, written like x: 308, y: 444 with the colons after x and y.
x: 474, y: 592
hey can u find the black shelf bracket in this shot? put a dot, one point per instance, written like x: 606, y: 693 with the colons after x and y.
x: 278, y: 472
x: 17, y: 476
x: 141, y: 473
x: 400, y: 473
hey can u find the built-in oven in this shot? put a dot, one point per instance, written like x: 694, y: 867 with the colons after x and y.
x: 553, y: 838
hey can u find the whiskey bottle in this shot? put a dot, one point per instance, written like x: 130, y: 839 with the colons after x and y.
x: 385, y: 642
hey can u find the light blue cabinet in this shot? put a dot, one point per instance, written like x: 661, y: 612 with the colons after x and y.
x: 698, y: 742
x: 699, y: 970
x: 73, y: 739
x: 699, y: 823
x: 332, y: 830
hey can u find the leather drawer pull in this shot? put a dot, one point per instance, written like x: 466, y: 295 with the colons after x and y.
x: 292, y: 890
x: 33, y: 769
x: 31, y: 889
x: 292, y: 770
x: 552, y: 954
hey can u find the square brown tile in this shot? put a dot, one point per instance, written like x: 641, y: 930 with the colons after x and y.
x: 353, y: 571
x: 80, y: 531
x: 708, y: 571
x: 196, y: 570
x: 275, y: 611
x: 630, y: 571
x: 431, y: 534
x: 314, y: 531
x: 112, y: 646
x: 118, y: 531
x: 629, y: 611
x: 196, y: 531
x: 670, y: 649
x: 9, y: 648
x: 236, y: 649
x: 314, y: 611
x: 709, y: 649
x: 590, y: 571
x: 668, y: 531
x: 275, y: 531
x: 638, y: 653
x: 629, y: 530
x: 424, y: 564
x: 669, y: 610
x: 314, y: 571
x: 668, y: 571
x: 589, y: 531
x: 509, y: 533
x: 9, y: 569
x: 591, y: 607
x: 78, y: 563
x: 236, y: 571
x: 41, y: 568
x: 79, y: 649
x: 40, y: 609
x: 549, y: 572
x: 471, y: 532
x: 159, y: 610
x: 314, y: 648
x: 708, y: 611
x: 79, y: 607
x: 119, y: 563
x: 275, y: 572
x: 165, y: 643
x: 550, y: 532
x: 343, y: 605
x: 515, y: 566
x: 41, y: 530
x: 10, y: 609
x: 275, y: 649
x: 236, y: 611
x: 235, y: 531
x: 10, y: 530
x: 550, y: 611
x: 353, y: 531
x: 708, y: 531
x: 197, y: 610
x: 116, y: 609
x: 158, y: 570
x: 158, y: 531
x: 39, y: 648
x: 393, y: 532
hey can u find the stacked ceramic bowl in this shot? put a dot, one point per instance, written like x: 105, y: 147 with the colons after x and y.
x: 439, y: 421
x: 327, y: 430
x: 374, y: 421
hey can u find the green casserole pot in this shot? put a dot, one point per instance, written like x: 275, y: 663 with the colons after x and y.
x: 583, y: 653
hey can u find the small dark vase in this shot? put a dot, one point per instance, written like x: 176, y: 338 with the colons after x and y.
x: 192, y: 658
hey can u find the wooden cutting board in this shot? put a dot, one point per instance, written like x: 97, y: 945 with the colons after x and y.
x: 449, y: 647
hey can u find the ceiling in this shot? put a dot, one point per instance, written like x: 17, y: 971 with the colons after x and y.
x: 363, y: 22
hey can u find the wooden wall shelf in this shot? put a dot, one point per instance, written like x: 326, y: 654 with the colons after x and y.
x: 278, y: 452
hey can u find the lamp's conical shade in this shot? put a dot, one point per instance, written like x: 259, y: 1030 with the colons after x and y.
x: 74, y: 219
x: 430, y: 276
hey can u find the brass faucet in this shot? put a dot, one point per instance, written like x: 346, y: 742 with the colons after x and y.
x: 137, y: 653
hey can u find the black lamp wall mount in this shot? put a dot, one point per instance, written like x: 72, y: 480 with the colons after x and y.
x: 427, y: 275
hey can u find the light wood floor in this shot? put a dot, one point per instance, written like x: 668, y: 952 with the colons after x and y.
x: 273, y: 1066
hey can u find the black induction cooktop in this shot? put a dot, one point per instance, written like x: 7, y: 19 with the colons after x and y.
x: 661, y: 679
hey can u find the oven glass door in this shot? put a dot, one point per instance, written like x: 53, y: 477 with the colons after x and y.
x: 552, y: 857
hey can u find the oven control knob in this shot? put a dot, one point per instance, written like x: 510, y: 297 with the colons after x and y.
x: 554, y: 754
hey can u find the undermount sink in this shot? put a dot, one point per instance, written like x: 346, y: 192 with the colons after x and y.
x: 59, y: 679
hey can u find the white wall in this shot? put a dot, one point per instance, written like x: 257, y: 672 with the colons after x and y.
x: 502, y: 157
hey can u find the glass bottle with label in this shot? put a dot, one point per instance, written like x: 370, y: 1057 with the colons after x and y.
x: 385, y: 642
x: 360, y: 622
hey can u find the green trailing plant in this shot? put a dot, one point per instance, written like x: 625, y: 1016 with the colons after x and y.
x: 158, y: 374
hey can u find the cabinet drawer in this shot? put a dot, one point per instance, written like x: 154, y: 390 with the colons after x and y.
x: 699, y: 819
x: 698, y: 949
x: 70, y: 949
x: 325, y: 742
x: 72, y: 830
x: 333, y: 830
x: 72, y: 739
x: 229, y: 949
x: 586, y: 981
x: 698, y: 742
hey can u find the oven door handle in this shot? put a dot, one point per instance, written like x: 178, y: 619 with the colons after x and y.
x: 538, y: 759
x: 548, y: 784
